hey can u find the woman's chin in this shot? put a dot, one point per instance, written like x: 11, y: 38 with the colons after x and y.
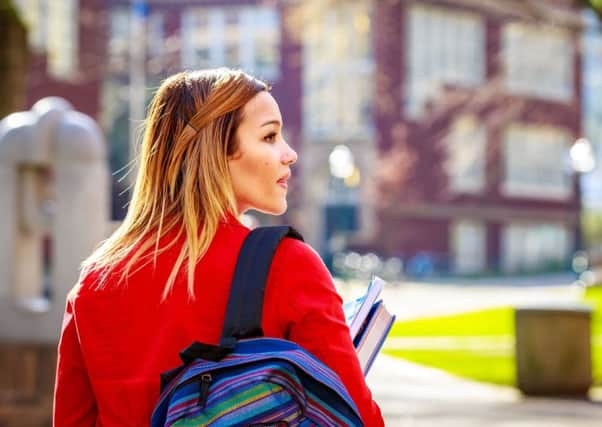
x: 276, y: 209
x: 279, y: 211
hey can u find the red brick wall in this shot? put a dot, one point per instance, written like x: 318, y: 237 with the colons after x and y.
x: 83, y: 90
x: 412, y: 153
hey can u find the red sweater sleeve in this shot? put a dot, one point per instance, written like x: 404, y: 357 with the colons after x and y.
x: 74, y: 403
x: 313, y: 318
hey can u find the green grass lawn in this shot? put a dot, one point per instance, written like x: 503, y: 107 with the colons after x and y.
x: 593, y: 296
x: 490, y: 361
x: 494, y: 322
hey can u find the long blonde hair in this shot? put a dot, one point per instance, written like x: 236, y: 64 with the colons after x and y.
x: 183, y: 181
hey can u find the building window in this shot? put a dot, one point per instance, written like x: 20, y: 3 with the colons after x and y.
x: 245, y: 37
x: 63, y: 35
x: 35, y: 15
x: 53, y: 28
x: 119, y: 40
x: 155, y: 39
x: 466, y: 145
x: 337, y: 73
x: 266, y: 39
x: 531, y: 247
x: 538, y: 61
x: 534, y: 159
x: 468, y: 242
x: 444, y: 47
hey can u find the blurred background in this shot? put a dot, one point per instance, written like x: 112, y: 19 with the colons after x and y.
x: 452, y: 147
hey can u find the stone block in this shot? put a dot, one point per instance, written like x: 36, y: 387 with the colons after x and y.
x: 553, y: 350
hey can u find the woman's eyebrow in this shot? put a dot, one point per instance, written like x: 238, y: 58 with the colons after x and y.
x: 271, y: 122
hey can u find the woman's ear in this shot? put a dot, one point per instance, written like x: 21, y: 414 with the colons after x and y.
x: 236, y: 155
x: 235, y: 143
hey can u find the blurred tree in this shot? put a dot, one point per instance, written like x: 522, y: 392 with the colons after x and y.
x: 13, y: 60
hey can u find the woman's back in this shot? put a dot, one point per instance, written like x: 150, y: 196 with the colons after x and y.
x: 126, y: 336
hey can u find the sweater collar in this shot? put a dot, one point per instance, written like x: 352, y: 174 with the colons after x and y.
x: 231, y: 219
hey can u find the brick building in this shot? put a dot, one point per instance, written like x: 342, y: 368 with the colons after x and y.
x: 489, y: 103
x: 68, y: 45
x: 458, y: 113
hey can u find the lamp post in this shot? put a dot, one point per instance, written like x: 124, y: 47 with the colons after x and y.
x: 340, y: 210
x: 583, y: 161
x: 582, y: 156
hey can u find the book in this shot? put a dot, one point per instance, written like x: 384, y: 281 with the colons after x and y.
x: 356, y: 311
x: 369, y: 323
x: 372, y: 337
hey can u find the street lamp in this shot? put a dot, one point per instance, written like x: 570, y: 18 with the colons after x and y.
x: 582, y: 156
x: 340, y: 209
x: 341, y: 162
x: 344, y: 174
x: 583, y: 161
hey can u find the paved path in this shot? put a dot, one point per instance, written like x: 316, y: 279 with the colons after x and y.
x: 411, y: 395
x: 415, y: 396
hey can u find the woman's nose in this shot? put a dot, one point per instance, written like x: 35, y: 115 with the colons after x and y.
x: 290, y: 156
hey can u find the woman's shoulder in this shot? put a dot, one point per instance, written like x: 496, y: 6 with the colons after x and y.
x: 93, y: 280
x: 300, y: 280
x: 87, y: 283
x: 294, y: 255
x: 300, y: 248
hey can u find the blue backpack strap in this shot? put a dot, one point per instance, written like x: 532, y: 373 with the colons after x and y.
x: 245, y: 303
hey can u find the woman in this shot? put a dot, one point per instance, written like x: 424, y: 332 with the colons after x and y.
x: 213, y: 149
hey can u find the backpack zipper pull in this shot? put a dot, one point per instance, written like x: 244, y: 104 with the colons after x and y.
x: 206, y: 380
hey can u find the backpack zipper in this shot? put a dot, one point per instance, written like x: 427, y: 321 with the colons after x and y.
x: 206, y: 380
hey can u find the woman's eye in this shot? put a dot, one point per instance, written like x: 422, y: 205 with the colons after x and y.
x: 270, y: 138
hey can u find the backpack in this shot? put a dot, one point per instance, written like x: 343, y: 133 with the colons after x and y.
x: 250, y: 380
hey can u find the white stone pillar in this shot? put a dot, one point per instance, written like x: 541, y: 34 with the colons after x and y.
x: 72, y: 206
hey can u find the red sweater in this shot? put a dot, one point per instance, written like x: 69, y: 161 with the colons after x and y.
x: 115, y: 342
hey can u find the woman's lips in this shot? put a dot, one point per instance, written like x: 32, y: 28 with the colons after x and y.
x: 283, y: 181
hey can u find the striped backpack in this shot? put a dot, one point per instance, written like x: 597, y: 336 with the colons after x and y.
x: 250, y: 380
